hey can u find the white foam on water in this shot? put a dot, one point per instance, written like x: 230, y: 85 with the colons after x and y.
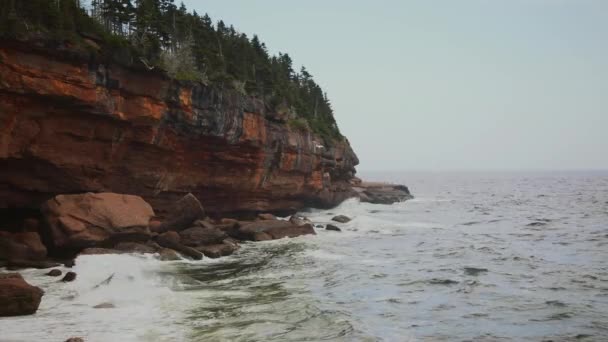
x: 146, y: 307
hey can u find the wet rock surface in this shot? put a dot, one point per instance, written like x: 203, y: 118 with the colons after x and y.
x: 381, y: 193
x: 341, y: 219
x: 54, y: 273
x: 333, y: 227
x: 17, y: 297
x: 87, y: 220
x: 185, y: 211
x: 69, y: 277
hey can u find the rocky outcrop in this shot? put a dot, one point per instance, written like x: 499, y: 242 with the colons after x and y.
x: 73, y: 124
x: 341, y: 218
x: 17, y: 297
x: 380, y: 193
x: 88, y: 220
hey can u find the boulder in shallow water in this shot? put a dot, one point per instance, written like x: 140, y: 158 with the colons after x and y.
x: 54, y: 273
x: 473, y: 271
x: 17, y: 297
x: 185, y: 211
x: 333, y: 227
x: 69, y: 277
x: 86, y: 220
x: 341, y: 219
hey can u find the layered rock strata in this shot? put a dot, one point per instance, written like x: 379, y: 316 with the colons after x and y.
x: 71, y: 124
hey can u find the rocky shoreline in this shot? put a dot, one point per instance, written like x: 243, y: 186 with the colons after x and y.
x: 110, y: 223
x: 102, y: 158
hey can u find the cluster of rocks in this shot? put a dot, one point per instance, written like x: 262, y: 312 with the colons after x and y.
x: 108, y: 223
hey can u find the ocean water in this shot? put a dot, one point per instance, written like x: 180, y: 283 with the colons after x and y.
x: 474, y: 257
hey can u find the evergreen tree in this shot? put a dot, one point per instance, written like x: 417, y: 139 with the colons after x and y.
x: 186, y: 45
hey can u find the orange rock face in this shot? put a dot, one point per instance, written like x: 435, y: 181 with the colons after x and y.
x: 72, y: 126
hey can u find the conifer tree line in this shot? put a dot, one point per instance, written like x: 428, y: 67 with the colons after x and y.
x: 187, y: 45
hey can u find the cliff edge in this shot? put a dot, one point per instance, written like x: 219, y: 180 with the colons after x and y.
x: 69, y: 124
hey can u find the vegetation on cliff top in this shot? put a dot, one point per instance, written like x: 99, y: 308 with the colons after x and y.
x: 188, y: 46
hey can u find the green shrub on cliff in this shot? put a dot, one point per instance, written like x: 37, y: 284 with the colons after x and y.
x: 188, y: 46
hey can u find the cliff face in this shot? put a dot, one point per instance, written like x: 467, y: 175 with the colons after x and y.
x: 68, y: 125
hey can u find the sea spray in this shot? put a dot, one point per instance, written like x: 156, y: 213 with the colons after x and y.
x: 136, y: 293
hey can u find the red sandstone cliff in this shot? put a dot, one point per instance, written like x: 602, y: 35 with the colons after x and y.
x: 69, y: 125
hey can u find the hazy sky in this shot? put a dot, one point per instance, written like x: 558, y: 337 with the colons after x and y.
x: 433, y: 85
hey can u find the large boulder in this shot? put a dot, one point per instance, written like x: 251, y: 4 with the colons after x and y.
x: 87, y: 220
x: 341, y: 219
x: 187, y: 210
x: 17, y: 297
x: 197, y: 236
x: 270, y: 230
x: 333, y: 227
x: 21, y: 246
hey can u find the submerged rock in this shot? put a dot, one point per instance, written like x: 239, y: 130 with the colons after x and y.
x: 333, y: 227
x: 341, y: 219
x: 69, y: 277
x: 438, y: 281
x: 473, y: 271
x: 17, y: 297
x: 54, y: 273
